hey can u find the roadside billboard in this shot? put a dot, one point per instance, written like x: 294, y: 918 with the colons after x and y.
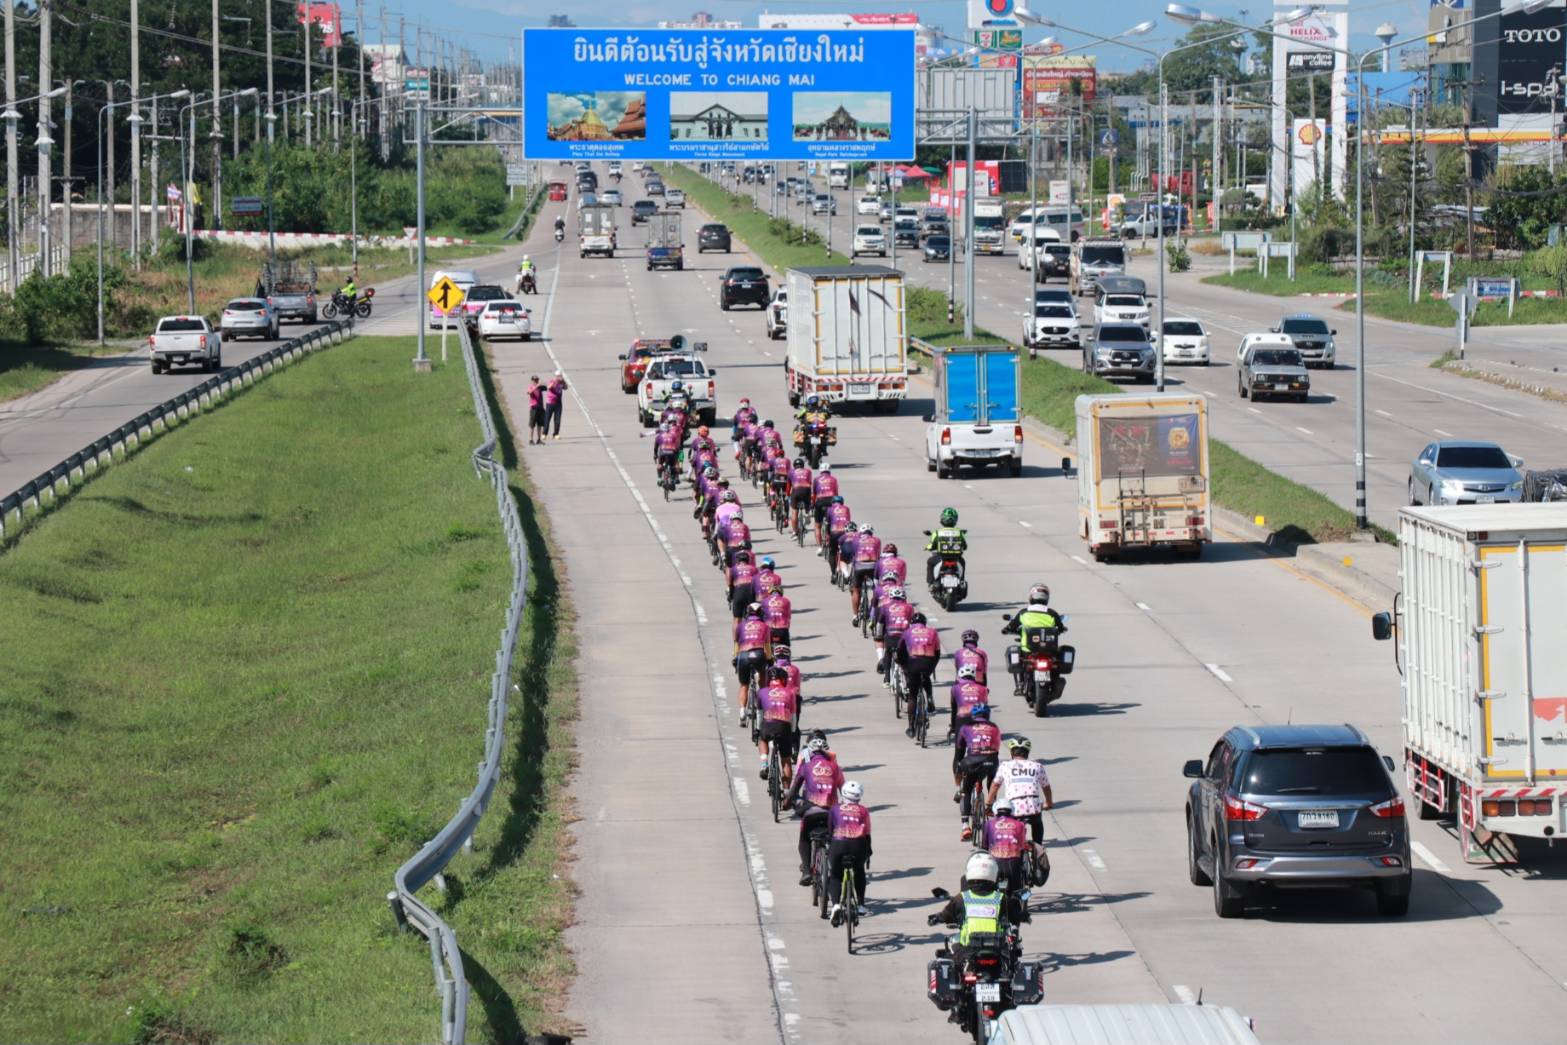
x: 1053, y: 83
x: 694, y: 94
x: 1530, y: 45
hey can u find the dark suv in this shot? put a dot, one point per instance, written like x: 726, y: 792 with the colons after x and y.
x: 1296, y: 806
x: 641, y: 210
x: 712, y: 237
x: 743, y: 284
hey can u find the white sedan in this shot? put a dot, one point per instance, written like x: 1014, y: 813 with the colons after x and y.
x: 868, y: 205
x: 869, y: 239
x: 505, y: 318
x: 1184, y: 341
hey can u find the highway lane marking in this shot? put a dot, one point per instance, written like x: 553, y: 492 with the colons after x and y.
x: 1384, y: 413
x: 1080, y: 559
x: 1185, y: 993
x: 1025, y: 523
x: 1308, y: 431
x: 1429, y: 858
x: 1093, y: 859
x: 1218, y: 672
x: 1447, y: 395
x: 1144, y: 607
x: 1254, y: 410
x: 1447, y: 435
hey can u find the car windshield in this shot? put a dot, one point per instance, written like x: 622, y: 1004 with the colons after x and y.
x: 714, y: 230
x: 1305, y: 326
x: 745, y: 274
x: 1183, y: 328
x: 1472, y: 457
x: 485, y: 292
x: 1275, y: 357
x: 646, y: 205
x: 681, y: 368
x: 1121, y: 334
x: 1107, y: 255
x: 1124, y: 301
x: 245, y: 305
x: 1313, y: 771
x: 1052, y: 311
x: 941, y: 242
x: 868, y: 230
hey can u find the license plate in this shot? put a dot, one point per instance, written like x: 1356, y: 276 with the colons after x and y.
x: 949, y: 581
x: 862, y: 391
x: 508, y: 319
x: 987, y: 992
x: 1318, y: 819
x: 1282, y: 387
x: 1484, y: 498
x: 1041, y: 676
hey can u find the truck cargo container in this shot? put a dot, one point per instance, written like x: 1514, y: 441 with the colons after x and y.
x: 847, y: 336
x: 976, y: 421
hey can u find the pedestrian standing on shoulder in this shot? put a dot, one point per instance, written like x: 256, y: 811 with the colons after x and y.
x: 535, y: 410
x: 554, y: 403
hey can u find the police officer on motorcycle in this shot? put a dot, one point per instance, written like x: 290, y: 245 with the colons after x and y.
x: 1032, y: 624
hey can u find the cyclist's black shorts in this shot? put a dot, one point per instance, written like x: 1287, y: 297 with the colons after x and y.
x: 778, y: 732
x: 800, y: 497
x: 749, y: 663
x: 1036, y: 826
x: 743, y: 596
x: 974, y: 766
x: 781, y: 637
x: 819, y: 508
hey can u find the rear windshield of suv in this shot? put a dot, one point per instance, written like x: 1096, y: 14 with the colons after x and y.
x: 680, y: 368
x: 1313, y: 771
x: 746, y: 274
x: 1122, y: 334
x: 1472, y: 457
x: 181, y: 326
x: 486, y: 292
x: 245, y: 305
x: 1181, y: 328
x: 1123, y: 301
x: 1305, y: 326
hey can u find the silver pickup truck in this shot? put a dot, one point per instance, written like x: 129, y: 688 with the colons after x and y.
x: 291, y: 291
x: 178, y: 340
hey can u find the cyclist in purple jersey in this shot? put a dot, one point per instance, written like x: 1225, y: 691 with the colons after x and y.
x: 967, y: 694
x: 776, y: 610
x: 753, y: 648
x: 917, y: 653
x: 970, y: 653
x: 893, y: 618
x: 850, y: 824
x: 742, y: 584
x: 780, y: 709
x: 814, y: 791
x: 974, y: 757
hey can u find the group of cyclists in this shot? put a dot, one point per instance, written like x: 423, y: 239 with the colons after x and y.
x: 1008, y: 853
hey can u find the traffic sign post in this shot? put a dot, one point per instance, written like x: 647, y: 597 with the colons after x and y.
x: 1463, y: 303
x: 448, y: 297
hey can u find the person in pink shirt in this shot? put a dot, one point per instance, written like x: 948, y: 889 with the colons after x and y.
x: 917, y: 654
x: 535, y: 410
x: 776, y: 611
x: 850, y: 823
x: 814, y: 791
x: 779, y: 704
x: 554, y: 404
x: 970, y: 654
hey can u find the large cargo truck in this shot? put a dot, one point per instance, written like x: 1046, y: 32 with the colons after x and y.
x: 977, y: 420
x: 596, y: 229
x: 1479, y: 623
x: 848, y: 336
x: 1142, y: 472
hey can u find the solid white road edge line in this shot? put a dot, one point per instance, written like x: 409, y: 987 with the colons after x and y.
x: 1429, y: 858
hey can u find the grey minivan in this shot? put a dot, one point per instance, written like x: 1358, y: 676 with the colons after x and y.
x: 1295, y: 806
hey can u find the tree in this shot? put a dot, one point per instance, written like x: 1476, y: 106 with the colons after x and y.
x: 1524, y: 205
x: 1195, y: 68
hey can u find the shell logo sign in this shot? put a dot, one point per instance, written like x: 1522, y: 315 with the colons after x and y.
x: 1310, y: 134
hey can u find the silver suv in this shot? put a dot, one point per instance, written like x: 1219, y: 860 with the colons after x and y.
x: 1119, y: 350
x: 1312, y: 336
x: 1295, y: 806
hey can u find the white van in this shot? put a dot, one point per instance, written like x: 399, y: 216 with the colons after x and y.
x: 837, y: 175
x: 1143, y: 1024
x: 464, y: 278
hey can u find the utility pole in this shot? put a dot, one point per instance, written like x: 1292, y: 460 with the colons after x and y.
x: 1414, y: 162
x: 271, y: 98
x: 359, y: 45
x: 45, y: 162
x: 308, y: 102
x: 421, y: 361
x: 1215, y: 176
x: 65, y: 170
x: 1469, y: 175
x: 337, y: 105
x: 217, y: 128
x: 968, y: 230
x: 154, y: 190
x: 134, y: 119
x: 13, y: 215
x: 114, y: 238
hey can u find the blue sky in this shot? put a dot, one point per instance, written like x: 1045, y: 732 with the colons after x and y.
x: 490, y: 26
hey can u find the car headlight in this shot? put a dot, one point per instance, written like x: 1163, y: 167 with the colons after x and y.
x: 1516, y: 486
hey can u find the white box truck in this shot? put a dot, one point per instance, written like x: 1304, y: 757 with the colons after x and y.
x: 1142, y: 472
x: 1479, y: 624
x: 837, y: 175
x: 977, y: 420
x: 596, y: 229
x: 848, y: 337
x: 990, y: 226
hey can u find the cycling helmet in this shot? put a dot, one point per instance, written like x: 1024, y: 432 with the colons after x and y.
x: 702, y: 431
x: 677, y: 385
x: 851, y: 792
x: 868, y: 530
x: 837, y: 498
x: 968, y: 671
x: 723, y: 482
x: 710, y: 472
x: 1003, y: 807
x: 779, y: 674
x: 663, y: 426
x: 949, y: 517
x: 1039, y: 594
x: 918, y: 618
x: 812, y: 400
x: 755, y: 610
x: 889, y: 550
x: 982, y: 867
x: 826, y: 466
x: 853, y: 527
x: 744, y: 401
x: 799, y: 462
x: 767, y: 562
x: 980, y: 712
x: 775, y: 589
x: 781, y: 652
x: 971, y: 637
x: 1020, y: 744
x: 767, y: 424
x: 897, y: 593
x: 816, y: 745
x: 730, y: 497
x: 890, y: 578
x: 742, y: 556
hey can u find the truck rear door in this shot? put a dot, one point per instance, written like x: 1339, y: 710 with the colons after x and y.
x: 1523, y: 662
x: 963, y: 391
x: 1001, y: 391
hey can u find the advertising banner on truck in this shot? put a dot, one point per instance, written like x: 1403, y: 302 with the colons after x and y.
x: 702, y: 94
x: 1149, y: 446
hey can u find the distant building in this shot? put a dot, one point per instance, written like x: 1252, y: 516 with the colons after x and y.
x: 701, y: 20
x: 633, y: 124
x: 718, y: 123
x: 561, y: 22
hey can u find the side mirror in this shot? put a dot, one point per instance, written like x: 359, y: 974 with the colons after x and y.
x: 941, y: 894
x: 1515, y: 461
x: 711, y: 371
x: 928, y: 418
x: 1388, y: 762
x: 1382, y: 626
x: 925, y: 532
x: 1333, y: 332
x: 1273, y: 330
x: 1007, y: 617
x: 1192, y: 769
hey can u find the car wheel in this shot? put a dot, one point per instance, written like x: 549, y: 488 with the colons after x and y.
x: 723, y: 303
x: 1194, y: 868
x: 1413, y: 500
x: 1393, y: 898
x: 1229, y: 901
x: 1240, y: 388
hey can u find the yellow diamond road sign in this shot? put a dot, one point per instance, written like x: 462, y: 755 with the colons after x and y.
x: 446, y: 295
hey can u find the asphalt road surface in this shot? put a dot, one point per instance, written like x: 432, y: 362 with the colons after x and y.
x: 690, y: 926
x: 1407, y: 403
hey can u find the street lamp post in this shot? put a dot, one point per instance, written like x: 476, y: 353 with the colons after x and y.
x: 14, y: 218
x: 102, y: 122
x: 188, y: 165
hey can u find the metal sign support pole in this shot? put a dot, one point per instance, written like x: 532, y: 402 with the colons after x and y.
x: 421, y: 361
x: 968, y: 233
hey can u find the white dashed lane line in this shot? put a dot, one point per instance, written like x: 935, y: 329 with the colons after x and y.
x: 1429, y: 858
x: 1218, y: 672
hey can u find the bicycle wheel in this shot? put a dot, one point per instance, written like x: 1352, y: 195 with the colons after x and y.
x: 756, y: 711
x: 922, y: 726
x: 899, y: 690
x: 774, y: 780
x: 821, y: 876
x: 850, y: 901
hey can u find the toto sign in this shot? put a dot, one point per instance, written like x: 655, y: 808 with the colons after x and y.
x: 1530, y: 45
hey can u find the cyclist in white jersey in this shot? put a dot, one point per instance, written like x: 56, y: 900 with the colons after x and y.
x: 1026, y: 785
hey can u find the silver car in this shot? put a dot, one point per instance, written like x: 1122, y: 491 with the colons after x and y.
x: 1457, y: 471
x: 248, y: 317
x: 1119, y: 350
x: 1271, y: 371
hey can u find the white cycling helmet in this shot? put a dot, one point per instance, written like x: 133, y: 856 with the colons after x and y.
x: 968, y: 671
x: 1003, y: 807
x: 897, y: 594
x: 826, y: 466
x: 982, y: 867
x: 852, y: 791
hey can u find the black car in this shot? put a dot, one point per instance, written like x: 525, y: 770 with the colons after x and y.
x: 907, y: 237
x: 743, y: 284
x: 938, y: 247
x: 641, y: 210
x: 712, y: 237
x: 1295, y: 807
x: 587, y: 181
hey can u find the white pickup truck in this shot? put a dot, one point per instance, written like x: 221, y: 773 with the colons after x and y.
x: 177, y: 340
x: 696, y: 379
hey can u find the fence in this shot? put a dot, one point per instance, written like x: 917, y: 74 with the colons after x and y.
x: 93, y: 458
x: 59, y: 260
x: 427, y: 865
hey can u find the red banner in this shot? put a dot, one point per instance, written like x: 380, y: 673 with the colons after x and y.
x: 329, y: 17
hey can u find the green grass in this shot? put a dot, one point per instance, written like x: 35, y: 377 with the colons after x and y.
x: 237, y: 700
x: 1387, y: 296
x: 763, y: 234
x: 1278, y: 283
x: 27, y: 368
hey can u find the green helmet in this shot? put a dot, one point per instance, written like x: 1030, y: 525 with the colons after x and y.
x: 949, y: 517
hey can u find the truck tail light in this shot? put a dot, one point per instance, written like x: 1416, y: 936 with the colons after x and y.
x: 204, y: 341
x: 1017, y: 433
x: 1194, y: 520
x: 1236, y: 809
x: 1392, y: 809
x: 946, y: 437
x: 1107, y: 524
x: 710, y: 390
x: 650, y: 388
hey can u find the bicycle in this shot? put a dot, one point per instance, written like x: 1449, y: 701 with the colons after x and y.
x: 849, y: 899
x: 819, y: 871
x: 900, y: 686
x: 753, y: 709
x: 666, y: 477
x: 976, y: 810
x: 799, y: 530
x: 776, y: 791
x: 922, y: 712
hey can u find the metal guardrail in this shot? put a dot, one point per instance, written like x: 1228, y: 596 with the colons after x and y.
x: 94, y: 457
x: 450, y: 979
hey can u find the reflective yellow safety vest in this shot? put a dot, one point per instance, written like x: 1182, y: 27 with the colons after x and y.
x: 981, y: 914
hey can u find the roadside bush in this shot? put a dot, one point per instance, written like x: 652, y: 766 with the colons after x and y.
x: 1180, y: 258
x: 63, y: 306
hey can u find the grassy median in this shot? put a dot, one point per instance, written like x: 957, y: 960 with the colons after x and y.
x: 1387, y: 296
x: 765, y: 235
x: 247, y: 677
